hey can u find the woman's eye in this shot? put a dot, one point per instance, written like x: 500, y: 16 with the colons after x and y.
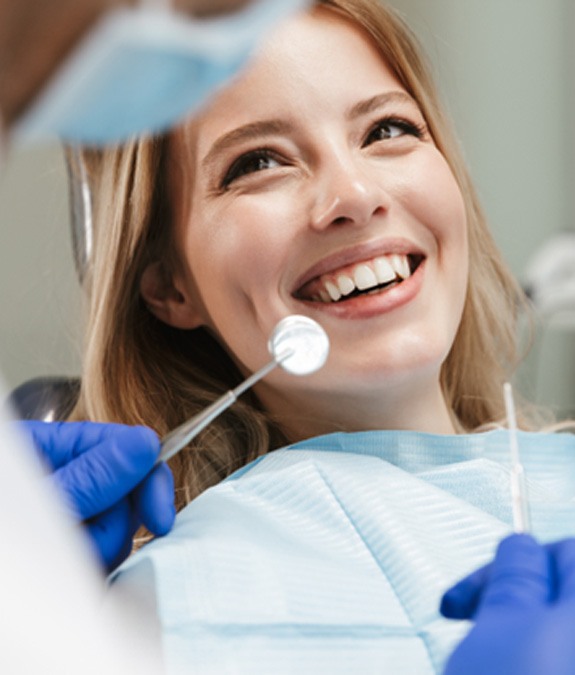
x: 388, y: 129
x: 251, y: 162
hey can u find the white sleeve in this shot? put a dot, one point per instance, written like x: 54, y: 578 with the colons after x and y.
x: 51, y: 590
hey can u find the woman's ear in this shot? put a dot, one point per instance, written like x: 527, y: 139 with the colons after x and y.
x: 166, y: 302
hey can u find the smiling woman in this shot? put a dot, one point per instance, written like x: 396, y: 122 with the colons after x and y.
x: 323, y: 182
x: 338, y: 173
x: 326, y: 182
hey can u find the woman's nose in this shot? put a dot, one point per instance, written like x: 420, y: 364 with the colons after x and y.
x: 347, y: 193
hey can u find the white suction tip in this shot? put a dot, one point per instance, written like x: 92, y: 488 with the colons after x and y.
x: 305, y: 339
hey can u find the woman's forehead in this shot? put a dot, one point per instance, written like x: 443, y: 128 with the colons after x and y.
x: 311, y: 59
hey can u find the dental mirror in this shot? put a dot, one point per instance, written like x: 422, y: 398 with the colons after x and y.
x: 305, y: 339
x: 298, y: 344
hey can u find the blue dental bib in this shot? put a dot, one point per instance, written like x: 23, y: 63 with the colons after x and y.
x: 331, y: 555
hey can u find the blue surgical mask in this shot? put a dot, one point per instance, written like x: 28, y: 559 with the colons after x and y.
x: 143, y: 69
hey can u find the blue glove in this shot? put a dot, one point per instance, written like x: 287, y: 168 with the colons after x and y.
x: 105, y: 472
x: 461, y: 601
x: 523, y: 605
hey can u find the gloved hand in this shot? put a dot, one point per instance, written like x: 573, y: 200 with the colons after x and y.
x: 523, y: 605
x: 105, y: 473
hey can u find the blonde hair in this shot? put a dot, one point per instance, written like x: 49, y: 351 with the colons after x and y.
x: 138, y: 370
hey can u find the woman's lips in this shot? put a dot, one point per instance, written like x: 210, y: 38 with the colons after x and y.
x: 369, y: 276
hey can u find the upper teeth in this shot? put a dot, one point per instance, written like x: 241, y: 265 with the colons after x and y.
x: 363, y: 276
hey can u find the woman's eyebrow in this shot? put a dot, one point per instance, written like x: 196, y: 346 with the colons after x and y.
x: 255, y: 130
x: 247, y: 132
x: 379, y: 101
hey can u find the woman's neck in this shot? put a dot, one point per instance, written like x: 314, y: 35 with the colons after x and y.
x: 397, y: 407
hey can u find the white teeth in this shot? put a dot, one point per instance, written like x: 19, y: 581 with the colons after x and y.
x: 345, y: 284
x: 333, y: 291
x: 401, y: 265
x: 364, y: 277
x: 383, y: 270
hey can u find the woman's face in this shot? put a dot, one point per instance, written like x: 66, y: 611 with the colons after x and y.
x: 311, y: 186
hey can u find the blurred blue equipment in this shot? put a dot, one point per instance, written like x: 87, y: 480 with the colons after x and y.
x: 142, y: 69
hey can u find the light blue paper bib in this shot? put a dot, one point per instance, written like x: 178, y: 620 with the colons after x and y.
x: 331, y: 555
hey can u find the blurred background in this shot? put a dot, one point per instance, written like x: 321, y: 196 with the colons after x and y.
x: 507, y: 71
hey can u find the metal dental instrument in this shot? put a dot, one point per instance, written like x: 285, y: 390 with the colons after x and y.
x: 519, y: 500
x: 298, y: 344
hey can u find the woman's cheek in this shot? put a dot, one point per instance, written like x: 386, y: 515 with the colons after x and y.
x: 441, y: 196
x: 259, y: 221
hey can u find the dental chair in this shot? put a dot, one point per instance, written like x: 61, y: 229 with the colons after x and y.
x: 45, y: 398
x: 52, y: 398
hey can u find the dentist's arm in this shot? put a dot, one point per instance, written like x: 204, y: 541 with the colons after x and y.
x: 36, y: 37
x: 523, y: 606
x: 106, y: 474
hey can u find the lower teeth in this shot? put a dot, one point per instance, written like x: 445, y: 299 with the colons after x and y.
x: 379, y: 289
x: 372, y: 291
